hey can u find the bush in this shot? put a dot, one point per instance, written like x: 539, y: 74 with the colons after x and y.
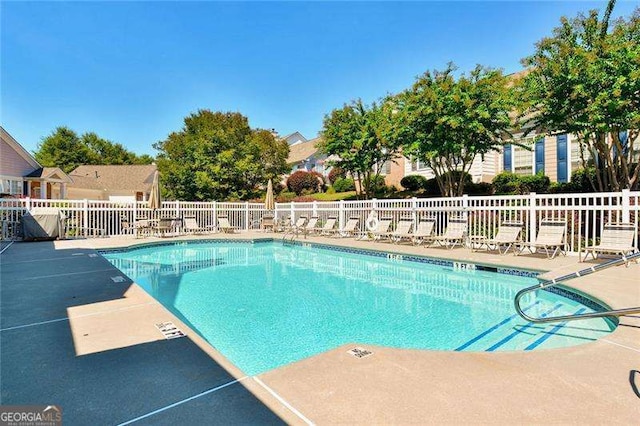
x: 322, y: 182
x: 301, y: 180
x: 536, y: 183
x: 431, y: 188
x: 413, y: 182
x: 335, y: 173
x: 506, y: 183
x: 580, y: 180
x: 481, y: 188
x: 344, y: 185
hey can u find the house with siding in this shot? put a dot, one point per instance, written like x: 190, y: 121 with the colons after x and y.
x: 307, y: 156
x: 22, y: 176
x: 115, y: 183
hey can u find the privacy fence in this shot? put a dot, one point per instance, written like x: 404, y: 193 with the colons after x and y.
x: 585, y: 214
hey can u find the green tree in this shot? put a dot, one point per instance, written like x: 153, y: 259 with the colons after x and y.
x: 65, y: 149
x: 217, y: 156
x: 362, y: 138
x: 585, y: 80
x: 447, y: 122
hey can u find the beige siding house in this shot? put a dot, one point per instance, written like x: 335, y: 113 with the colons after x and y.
x: 115, y: 183
x: 22, y: 176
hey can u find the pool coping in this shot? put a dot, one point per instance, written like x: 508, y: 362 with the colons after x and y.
x: 310, y: 386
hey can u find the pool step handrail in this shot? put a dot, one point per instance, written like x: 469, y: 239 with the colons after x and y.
x: 555, y: 281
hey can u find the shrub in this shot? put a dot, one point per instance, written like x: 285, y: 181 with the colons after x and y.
x: 335, y: 173
x: 413, y: 182
x: 506, y: 183
x: 431, y: 188
x: 301, y: 180
x: 481, y: 188
x: 536, y: 183
x: 322, y: 182
x: 580, y: 180
x: 344, y: 185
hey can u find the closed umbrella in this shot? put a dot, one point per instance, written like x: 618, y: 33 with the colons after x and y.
x: 269, y: 201
x: 154, y: 197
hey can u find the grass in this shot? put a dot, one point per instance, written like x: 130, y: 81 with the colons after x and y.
x: 323, y: 196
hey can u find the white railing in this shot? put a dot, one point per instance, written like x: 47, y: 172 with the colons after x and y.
x: 585, y: 214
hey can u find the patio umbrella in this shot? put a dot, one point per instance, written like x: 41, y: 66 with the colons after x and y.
x: 269, y: 201
x: 154, y: 197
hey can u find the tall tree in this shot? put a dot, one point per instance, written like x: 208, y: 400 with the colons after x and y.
x: 361, y: 137
x: 585, y: 80
x: 447, y: 122
x: 65, y: 149
x: 217, y: 156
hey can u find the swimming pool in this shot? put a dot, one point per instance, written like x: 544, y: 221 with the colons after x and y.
x: 264, y: 305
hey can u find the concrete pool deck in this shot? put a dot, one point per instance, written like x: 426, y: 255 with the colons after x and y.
x: 74, y: 337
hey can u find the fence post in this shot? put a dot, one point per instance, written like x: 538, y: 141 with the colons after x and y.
x: 214, y: 209
x: 414, y: 212
x: 85, y: 217
x: 341, y: 215
x: 28, y: 203
x: 275, y: 212
x: 292, y: 213
x: 315, y: 208
x: 246, y: 215
x: 626, y: 205
x: 533, y: 216
x: 178, y: 209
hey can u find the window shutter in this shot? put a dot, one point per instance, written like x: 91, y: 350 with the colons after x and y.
x: 539, y: 156
x: 563, y: 171
x: 507, y: 158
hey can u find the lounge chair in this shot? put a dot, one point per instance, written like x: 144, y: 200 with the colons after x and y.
x: 508, y: 236
x: 191, y: 226
x: 267, y: 222
x: 224, y: 226
x: 311, y: 226
x: 381, y: 230
x: 163, y: 226
x: 299, y: 225
x: 424, y: 231
x: 616, y: 238
x: 402, y: 231
x: 329, y: 226
x: 550, y: 237
x: 350, y: 228
x: 454, y: 234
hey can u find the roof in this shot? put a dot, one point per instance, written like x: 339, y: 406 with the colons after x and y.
x: 292, y: 140
x: 49, y: 173
x: 301, y: 151
x: 19, y: 148
x: 120, y: 178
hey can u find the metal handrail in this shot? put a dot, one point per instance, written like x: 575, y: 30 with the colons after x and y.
x: 582, y: 273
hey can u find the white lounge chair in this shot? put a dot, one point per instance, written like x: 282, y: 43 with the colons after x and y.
x: 191, y: 226
x: 402, y: 231
x: 454, y: 234
x: 423, y: 231
x: 616, y: 238
x: 224, y: 226
x: 508, y: 236
x: 551, y: 235
x: 379, y: 232
x: 350, y: 229
x: 311, y: 226
x: 329, y: 226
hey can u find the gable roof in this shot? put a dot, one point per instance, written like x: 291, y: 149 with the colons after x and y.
x: 19, y: 149
x: 291, y: 140
x: 120, y: 177
x: 301, y: 151
x: 49, y: 173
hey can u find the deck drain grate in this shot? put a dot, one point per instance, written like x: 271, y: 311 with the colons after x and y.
x: 118, y: 279
x: 93, y: 255
x: 359, y: 352
x: 77, y: 254
x: 169, y: 330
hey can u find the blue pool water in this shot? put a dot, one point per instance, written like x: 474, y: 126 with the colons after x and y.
x: 266, y: 305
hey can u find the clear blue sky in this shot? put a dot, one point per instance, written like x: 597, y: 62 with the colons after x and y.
x: 132, y: 71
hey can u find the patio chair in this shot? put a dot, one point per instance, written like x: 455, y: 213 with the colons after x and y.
x: 350, y: 229
x: 424, y: 231
x: 616, y: 238
x: 191, y: 226
x: 551, y: 235
x: 224, y: 226
x: 402, y: 231
x: 508, y: 236
x: 329, y: 225
x: 311, y: 226
x: 164, y: 226
x: 455, y: 233
x: 299, y: 225
x: 267, y: 222
x: 380, y: 231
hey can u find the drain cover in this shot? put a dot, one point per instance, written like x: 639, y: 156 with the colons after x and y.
x: 117, y: 279
x: 359, y: 352
x: 169, y: 330
x: 93, y: 255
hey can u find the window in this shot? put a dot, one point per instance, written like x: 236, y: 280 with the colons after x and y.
x: 10, y: 186
x: 385, y: 169
x: 523, y: 158
x: 417, y: 165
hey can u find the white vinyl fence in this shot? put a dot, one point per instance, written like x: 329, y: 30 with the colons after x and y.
x: 585, y: 214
